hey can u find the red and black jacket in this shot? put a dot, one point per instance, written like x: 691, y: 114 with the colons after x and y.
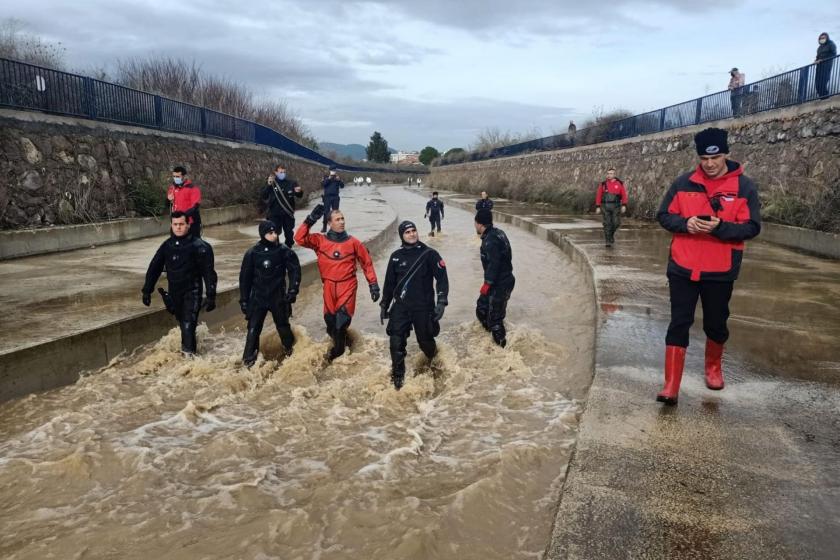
x: 733, y: 198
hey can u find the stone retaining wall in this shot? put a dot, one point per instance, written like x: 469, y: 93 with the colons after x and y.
x: 62, y: 170
x: 793, y: 154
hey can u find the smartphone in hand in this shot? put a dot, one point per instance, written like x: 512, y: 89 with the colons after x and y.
x: 705, y: 218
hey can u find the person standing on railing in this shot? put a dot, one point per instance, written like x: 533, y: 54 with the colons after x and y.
x: 825, y: 62
x: 612, y: 196
x: 332, y: 186
x: 484, y: 203
x: 736, y: 91
x: 711, y: 212
x: 279, y: 196
x: 572, y: 132
x: 184, y: 196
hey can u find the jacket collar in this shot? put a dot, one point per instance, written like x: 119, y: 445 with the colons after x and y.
x: 337, y: 237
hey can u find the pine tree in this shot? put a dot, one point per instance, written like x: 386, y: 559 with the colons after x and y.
x: 377, y: 150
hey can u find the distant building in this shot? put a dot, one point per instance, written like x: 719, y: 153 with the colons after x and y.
x: 405, y: 157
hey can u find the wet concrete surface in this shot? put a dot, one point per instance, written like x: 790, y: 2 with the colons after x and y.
x: 752, y: 471
x: 52, y: 296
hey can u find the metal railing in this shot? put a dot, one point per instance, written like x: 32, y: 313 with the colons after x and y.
x: 808, y: 83
x: 25, y: 86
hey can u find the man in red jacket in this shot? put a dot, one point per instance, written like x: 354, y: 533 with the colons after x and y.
x: 185, y: 197
x: 613, y: 196
x: 711, y: 212
x: 337, y: 255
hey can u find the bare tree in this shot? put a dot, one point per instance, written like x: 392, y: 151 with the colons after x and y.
x: 17, y: 44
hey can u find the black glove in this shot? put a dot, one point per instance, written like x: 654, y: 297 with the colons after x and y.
x: 383, y: 313
x: 374, y: 292
x: 147, y: 299
x: 437, y: 314
x: 316, y: 214
x: 243, y: 305
x: 210, y: 304
x: 291, y: 297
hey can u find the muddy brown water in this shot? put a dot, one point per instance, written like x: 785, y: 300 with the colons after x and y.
x: 157, y: 456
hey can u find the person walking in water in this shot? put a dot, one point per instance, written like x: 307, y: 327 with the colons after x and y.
x: 496, y: 260
x: 279, y: 196
x: 262, y: 289
x: 188, y: 261
x: 612, y: 196
x: 417, y: 284
x: 434, y: 211
x: 711, y: 212
x: 337, y: 254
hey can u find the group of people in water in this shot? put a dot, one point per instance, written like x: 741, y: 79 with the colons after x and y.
x: 711, y: 212
x: 414, y: 296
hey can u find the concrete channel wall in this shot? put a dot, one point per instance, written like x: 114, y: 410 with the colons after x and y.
x: 61, y: 361
x: 29, y: 242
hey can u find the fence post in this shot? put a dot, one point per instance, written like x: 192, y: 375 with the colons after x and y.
x: 203, y: 120
x: 661, y: 120
x: 803, y: 84
x: 699, y: 111
x: 90, y: 98
x: 158, y: 111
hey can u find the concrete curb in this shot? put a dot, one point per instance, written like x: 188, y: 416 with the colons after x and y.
x: 808, y: 240
x: 30, y: 242
x: 59, y: 362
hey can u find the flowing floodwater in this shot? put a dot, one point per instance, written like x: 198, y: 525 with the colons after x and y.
x: 157, y: 456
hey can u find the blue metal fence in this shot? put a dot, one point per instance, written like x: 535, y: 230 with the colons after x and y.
x: 808, y: 83
x: 25, y: 86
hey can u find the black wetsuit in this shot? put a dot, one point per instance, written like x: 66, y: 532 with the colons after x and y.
x: 332, y: 189
x: 187, y: 261
x: 412, y: 270
x: 496, y: 259
x: 279, y: 199
x: 262, y: 289
x: 434, y: 209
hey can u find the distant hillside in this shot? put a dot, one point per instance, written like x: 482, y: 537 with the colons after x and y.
x: 354, y: 151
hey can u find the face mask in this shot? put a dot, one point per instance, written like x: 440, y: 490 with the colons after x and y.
x: 280, y: 176
x: 178, y: 180
x: 822, y: 41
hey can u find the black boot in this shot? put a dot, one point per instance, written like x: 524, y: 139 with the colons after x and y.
x: 188, y: 340
x: 288, y: 340
x: 252, y: 348
x: 339, y: 344
x: 499, y: 335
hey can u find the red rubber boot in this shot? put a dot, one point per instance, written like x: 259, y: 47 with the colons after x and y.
x: 674, y: 362
x: 714, y: 374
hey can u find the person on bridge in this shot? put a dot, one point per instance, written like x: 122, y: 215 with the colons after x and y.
x: 711, y: 211
x: 262, y: 288
x: 484, y: 203
x: 737, y: 80
x: 279, y: 196
x: 496, y: 260
x: 613, y: 197
x: 184, y: 196
x: 187, y: 260
x: 418, y: 304
x: 332, y: 186
x: 434, y: 211
x: 337, y: 254
x: 826, y: 53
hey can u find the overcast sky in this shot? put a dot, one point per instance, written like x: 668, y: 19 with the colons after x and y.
x: 438, y: 72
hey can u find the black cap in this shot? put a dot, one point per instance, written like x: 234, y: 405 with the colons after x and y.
x: 484, y: 217
x: 266, y: 227
x: 407, y: 224
x: 711, y: 142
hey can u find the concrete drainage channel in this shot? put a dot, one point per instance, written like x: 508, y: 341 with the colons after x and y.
x: 61, y: 361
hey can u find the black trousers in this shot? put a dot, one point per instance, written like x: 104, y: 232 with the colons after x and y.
x: 256, y: 320
x: 400, y: 324
x: 822, y: 77
x: 715, y: 300
x: 434, y: 219
x: 187, y: 306
x: 611, y: 218
x: 287, y: 224
x: 491, y: 309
